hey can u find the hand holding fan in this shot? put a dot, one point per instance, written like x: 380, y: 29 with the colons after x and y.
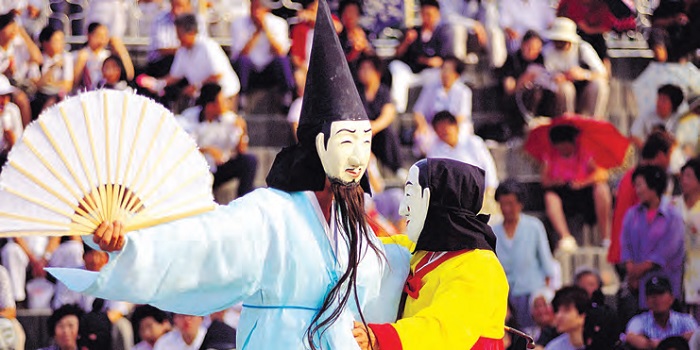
x: 102, y: 156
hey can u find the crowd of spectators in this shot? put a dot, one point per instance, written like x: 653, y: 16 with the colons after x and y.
x: 548, y: 61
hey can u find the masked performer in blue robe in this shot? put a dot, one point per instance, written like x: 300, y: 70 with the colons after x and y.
x: 298, y: 254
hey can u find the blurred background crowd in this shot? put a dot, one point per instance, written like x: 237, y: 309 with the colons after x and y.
x: 584, y: 114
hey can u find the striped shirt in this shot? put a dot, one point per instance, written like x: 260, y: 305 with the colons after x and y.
x: 678, y: 324
x: 164, y: 36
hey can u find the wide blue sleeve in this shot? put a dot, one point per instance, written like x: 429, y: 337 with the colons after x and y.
x: 195, y: 266
x: 544, y: 255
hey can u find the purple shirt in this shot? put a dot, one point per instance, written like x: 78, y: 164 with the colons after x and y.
x: 678, y: 324
x: 660, y: 242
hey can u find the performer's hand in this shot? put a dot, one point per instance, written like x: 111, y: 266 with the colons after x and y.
x: 109, y: 236
x: 364, y: 337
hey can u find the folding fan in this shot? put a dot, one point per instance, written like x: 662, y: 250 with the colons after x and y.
x: 102, y: 156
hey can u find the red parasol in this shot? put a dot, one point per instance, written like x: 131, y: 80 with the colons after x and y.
x: 600, y: 138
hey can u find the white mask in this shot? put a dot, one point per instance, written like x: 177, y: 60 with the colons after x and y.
x: 346, y: 155
x: 414, y: 205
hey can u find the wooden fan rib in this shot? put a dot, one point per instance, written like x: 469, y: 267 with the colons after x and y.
x: 138, y: 183
x: 62, y: 155
x: 153, y: 166
x: 63, y: 181
x: 126, y: 183
x: 102, y: 204
x: 35, y: 220
x: 10, y: 234
x: 146, y: 198
x: 108, y: 160
x: 173, y: 207
x: 156, y: 202
x: 77, y: 218
x: 148, y: 222
x: 119, y: 190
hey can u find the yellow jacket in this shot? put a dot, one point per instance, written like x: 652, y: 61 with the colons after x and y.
x: 461, y: 300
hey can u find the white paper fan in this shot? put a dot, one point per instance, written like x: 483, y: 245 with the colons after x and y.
x: 102, y: 156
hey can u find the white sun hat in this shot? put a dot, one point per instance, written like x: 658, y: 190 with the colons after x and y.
x: 5, y: 87
x: 563, y: 29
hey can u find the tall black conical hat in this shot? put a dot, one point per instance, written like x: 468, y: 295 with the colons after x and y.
x: 330, y: 95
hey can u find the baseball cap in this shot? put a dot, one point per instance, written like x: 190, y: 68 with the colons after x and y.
x: 658, y: 285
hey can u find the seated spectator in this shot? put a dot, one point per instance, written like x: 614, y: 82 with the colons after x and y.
x: 302, y: 34
x: 689, y: 206
x: 381, y: 111
x: 602, y: 327
x: 523, y: 76
x: 652, y: 239
x: 688, y: 130
x: 150, y: 323
x: 668, y: 99
x: 573, y: 184
x: 188, y: 334
x: 517, y: 17
x: 163, y: 38
x: 17, y: 52
x: 453, y: 143
x: 523, y: 250
x: 353, y: 38
x: 8, y: 311
x: 477, y: 18
x: 54, y: 77
x: 565, y: 58
x: 593, y: 18
x: 656, y: 151
x: 542, y: 313
x: 420, y: 54
x: 96, y: 328
x: 199, y: 60
x: 10, y: 119
x: 674, y: 30
x: 88, y: 61
x: 114, y: 75
x: 150, y: 10
x: 222, y: 137
x: 259, y: 47
x: 64, y: 325
x: 647, y: 330
x: 34, y: 253
x: 451, y: 95
x: 570, y: 307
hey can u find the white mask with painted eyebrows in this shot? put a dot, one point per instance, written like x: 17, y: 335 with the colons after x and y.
x: 414, y: 205
x: 346, y: 155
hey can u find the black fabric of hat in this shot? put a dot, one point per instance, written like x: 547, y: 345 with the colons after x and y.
x: 330, y: 95
x: 456, y: 195
x: 658, y: 285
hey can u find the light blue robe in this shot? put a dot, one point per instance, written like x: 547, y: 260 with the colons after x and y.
x: 271, y: 250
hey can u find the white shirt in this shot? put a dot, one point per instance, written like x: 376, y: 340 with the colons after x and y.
x: 16, y: 53
x: 222, y: 133
x: 582, y: 52
x: 11, y: 119
x: 173, y: 341
x: 62, y: 73
x: 458, y: 101
x: 645, y: 123
x: 164, y: 35
x: 470, y: 149
x: 261, y: 53
x: 204, y: 59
